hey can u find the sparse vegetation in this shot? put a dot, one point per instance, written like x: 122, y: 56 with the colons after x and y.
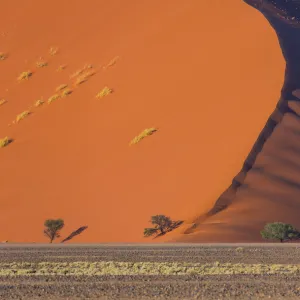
x: 104, y: 92
x: 39, y: 103
x: 279, y: 231
x: 53, y: 51
x: 83, y: 78
x: 3, y: 56
x: 53, y: 98
x: 41, y: 64
x: 239, y: 249
x: 141, y: 268
x: 80, y: 71
x: 66, y: 92
x: 22, y: 115
x: 25, y: 75
x: 52, y: 228
x: 2, y: 101
x: 61, y: 87
x: 142, y: 135
x: 162, y: 225
x: 4, y: 142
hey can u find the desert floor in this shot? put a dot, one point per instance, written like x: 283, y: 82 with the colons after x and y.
x: 134, y: 271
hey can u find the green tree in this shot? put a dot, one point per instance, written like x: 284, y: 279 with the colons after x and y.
x: 279, y: 231
x: 162, y: 225
x: 52, y: 228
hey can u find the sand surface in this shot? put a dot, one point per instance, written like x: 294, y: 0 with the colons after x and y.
x: 206, y: 74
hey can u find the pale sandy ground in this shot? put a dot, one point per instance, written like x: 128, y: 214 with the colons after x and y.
x: 238, y: 286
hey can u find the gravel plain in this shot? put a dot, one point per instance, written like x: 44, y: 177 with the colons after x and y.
x: 220, y: 271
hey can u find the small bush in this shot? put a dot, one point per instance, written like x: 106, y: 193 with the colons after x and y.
x: 4, y: 142
x: 104, y: 92
x: 142, y: 135
x: 22, y: 115
x: 53, y: 98
x: 25, y: 75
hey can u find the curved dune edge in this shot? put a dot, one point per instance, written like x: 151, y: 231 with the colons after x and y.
x: 265, y: 190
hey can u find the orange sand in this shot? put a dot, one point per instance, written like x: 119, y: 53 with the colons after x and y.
x: 207, y: 74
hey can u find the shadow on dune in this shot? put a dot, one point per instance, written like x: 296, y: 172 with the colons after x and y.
x: 284, y: 17
x: 74, y: 233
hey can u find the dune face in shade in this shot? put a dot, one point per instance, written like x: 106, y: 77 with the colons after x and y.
x: 267, y: 189
x: 207, y: 74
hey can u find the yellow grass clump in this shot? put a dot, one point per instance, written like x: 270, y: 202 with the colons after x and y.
x: 80, y: 71
x: 101, y: 268
x: 112, y: 62
x: 25, y: 75
x: 53, y: 51
x: 41, y: 64
x: 84, y: 77
x: 61, y: 87
x: 39, y: 103
x: 4, y: 142
x: 60, y: 68
x: 3, y: 56
x: 2, y: 101
x: 142, y: 135
x: 104, y: 92
x: 53, y: 98
x: 22, y: 115
x: 66, y: 92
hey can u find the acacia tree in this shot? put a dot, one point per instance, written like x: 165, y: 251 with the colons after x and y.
x: 279, y: 231
x: 52, y: 228
x: 162, y: 225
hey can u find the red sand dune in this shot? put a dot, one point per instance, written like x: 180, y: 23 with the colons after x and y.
x: 207, y: 74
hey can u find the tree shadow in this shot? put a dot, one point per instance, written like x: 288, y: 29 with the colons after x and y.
x: 74, y: 233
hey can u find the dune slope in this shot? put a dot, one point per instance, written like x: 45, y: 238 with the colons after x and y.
x: 206, y: 75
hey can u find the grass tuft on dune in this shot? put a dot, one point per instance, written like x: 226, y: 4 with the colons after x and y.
x: 142, y: 135
x: 22, y: 115
x: 4, y: 142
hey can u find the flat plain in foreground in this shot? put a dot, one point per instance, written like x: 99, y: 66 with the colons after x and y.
x: 168, y: 271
